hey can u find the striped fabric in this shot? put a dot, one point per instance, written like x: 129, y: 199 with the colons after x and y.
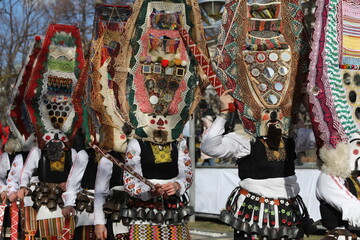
x: 53, y: 228
x: 332, y: 66
x: 351, y: 34
x: 85, y: 233
x: 30, y: 224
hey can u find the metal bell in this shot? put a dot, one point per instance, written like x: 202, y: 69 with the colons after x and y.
x: 227, y: 217
x: 90, y: 207
x: 37, y: 204
x: 190, y: 210
x: 175, y: 217
x: 51, y: 205
x: 168, y: 215
x: 255, y: 229
x: 293, y: 232
x: 245, y: 227
x: 60, y: 202
x: 132, y: 213
x: 273, y: 233
x: 141, y: 214
x: 52, y: 196
x: 115, y: 216
x: 46, y: 190
x: 39, y: 188
x: 265, y: 232
x: 299, y: 233
x: 39, y: 195
x: 108, y: 208
x: 117, y: 207
x: 126, y: 221
x: 159, y: 217
x: 44, y: 200
x: 80, y: 206
x: 58, y: 191
x: 150, y: 215
x: 283, y: 232
x: 83, y: 198
x: 186, y: 212
x: 128, y: 213
x: 237, y: 224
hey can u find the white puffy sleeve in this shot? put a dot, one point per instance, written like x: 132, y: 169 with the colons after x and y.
x: 14, y: 174
x: 184, y: 178
x: 132, y: 185
x: 102, y: 184
x: 332, y: 190
x: 73, y: 183
x: 217, y: 145
x: 32, y: 163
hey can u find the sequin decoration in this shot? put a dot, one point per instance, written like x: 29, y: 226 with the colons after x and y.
x: 269, y: 74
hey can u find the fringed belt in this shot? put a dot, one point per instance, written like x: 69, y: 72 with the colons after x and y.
x: 278, y: 217
x: 172, y: 210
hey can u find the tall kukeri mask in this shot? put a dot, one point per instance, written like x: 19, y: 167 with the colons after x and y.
x: 162, y: 86
x: 261, y: 56
x: 334, y: 77
x: 49, y: 92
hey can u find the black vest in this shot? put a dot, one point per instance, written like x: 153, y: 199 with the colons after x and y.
x: 117, y: 173
x: 88, y: 180
x: 152, y: 170
x: 48, y: 176
x: 332, y: 218
x: 257, y: 166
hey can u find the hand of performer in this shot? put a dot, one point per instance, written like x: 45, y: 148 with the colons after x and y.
x: 68, y: 211
x: 63, y: 186
x: 3, y: 197
x: 225, y: 100
x: 158, y: 191
x: 171, y: 188
x: 100, y: 232
x: 13, y: 197
x: 22, y: 192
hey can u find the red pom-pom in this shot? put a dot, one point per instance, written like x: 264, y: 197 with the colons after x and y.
x: 232, y: 107
x: 37, y: 38
x: 164, y: 63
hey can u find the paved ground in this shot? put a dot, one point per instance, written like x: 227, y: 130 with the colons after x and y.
x: 201, y: 234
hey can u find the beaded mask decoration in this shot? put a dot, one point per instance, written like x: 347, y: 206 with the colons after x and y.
x: 105, y: 96
x: 162, y: 86
x: 49, y: 93
x: 261, y: 56
x: 17, y: 115
x: 334, y: 77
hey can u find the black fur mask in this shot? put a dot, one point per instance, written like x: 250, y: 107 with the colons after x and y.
x: 54, y: 151
x: 273, y: 137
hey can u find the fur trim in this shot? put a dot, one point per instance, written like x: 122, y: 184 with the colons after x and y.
x: 239, y: 129
x: 13, y: 145
x: 336, y: 160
